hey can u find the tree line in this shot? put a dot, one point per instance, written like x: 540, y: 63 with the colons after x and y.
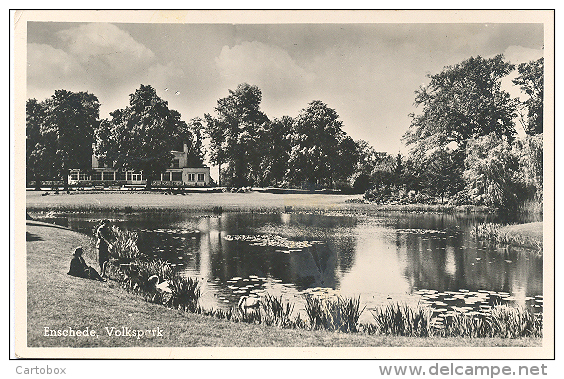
x: 463, y: 145
x: 311, y: 150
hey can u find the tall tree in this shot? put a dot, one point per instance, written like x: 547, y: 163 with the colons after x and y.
x: 37, y: 161
x: 531, y: 81
x: 492, y: 173
x: 233, y: 134
x: 274, y: 149
x: 463, y: 101
x: 442, y: 172
x: 68, y: 130
x: 141, y: 136
x: 196, y: 151
x: 321, y: 152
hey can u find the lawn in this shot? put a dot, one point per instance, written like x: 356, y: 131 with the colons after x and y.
x: 207, y: 202
x: 533, y: 230
x: 60, y: 302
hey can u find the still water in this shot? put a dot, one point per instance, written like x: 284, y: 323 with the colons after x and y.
x: 388, y: 256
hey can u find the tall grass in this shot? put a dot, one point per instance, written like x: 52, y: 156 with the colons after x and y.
x: 402, y: 320
x: 133, y: 269
x: 503, y: 321
x: 276, y: 311
x: 185, y: 293
x: 341, y: 314
x: 124, y: 248
x: 493, y: 233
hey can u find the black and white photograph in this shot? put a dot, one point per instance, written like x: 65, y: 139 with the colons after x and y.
x: 316, y: 184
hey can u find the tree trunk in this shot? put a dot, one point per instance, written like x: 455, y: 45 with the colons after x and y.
x: 148, y: 184
x: 66, y: 181
x: 37, y: 183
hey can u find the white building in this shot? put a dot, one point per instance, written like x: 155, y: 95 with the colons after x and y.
x: 178, y: 175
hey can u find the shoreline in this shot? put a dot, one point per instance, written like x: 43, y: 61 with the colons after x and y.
x: 73, y: 300
x: 128, y: 201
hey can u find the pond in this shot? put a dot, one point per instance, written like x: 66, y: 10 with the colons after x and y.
x: 383, y: 257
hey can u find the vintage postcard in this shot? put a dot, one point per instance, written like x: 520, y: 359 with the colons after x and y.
x: 283, y: 184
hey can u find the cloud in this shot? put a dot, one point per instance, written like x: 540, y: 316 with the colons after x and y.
x: 105, y: 46
x: 269, y: 67
x: 520, y: 54
x: 99, y: 58
x: 46, y: 60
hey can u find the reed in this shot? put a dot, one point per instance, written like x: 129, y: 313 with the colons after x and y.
x: 493, y: 233
x: 185, y: 293
x: 276, y: 312
x: 341, y: 314
x: 502, y: 321
x: 124, y: 248
x: 402, y: 320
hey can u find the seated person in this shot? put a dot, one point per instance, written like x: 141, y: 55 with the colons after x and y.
x: 79, y: 268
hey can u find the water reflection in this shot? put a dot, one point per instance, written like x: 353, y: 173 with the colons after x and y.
x: 379, y: 257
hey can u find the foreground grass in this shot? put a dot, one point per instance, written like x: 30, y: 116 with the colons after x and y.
x: 58, y: 301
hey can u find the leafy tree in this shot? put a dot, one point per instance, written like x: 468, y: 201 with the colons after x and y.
x: 70, y: 119
x: 462, y: 102
x: 531, y: 81
x: 367, y: 157
x: 383, y: 178
x: 321, y: 153
x: 492, y: 173
x: 141, y: 136
x: 234, y: 133
x: 367, y: 160
x: 193, y: 138
x: 530, y: 154
x: 443, y: 172
x: 274, y: 146
x: 37, y: 161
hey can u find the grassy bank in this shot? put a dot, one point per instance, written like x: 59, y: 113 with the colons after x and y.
x: 529, y: 235
x: 208, y: 202
x: 58, y: 301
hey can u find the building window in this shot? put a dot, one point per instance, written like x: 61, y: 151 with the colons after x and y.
x: 191, y: 177
x: 82, y: 176
x: 97, y: 175
x: 134, y: 176
x: 74, y: 175
x: 176, y: 176
x: 120, y: 175
x: 175, y: 163
x: 201, y: 177
x: 108, y: 175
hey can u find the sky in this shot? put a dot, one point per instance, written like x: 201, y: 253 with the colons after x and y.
x: 368, y: 73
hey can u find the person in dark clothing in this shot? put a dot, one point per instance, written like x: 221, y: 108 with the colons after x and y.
x: 79, y: 268
x: 103, y: 245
